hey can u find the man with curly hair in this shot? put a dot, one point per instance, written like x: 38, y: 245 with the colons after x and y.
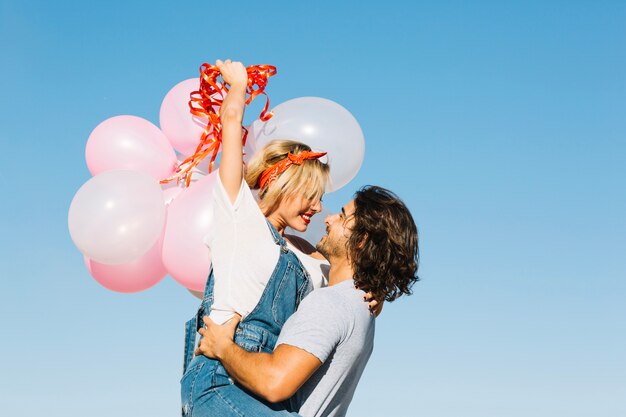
x: 372, y: 246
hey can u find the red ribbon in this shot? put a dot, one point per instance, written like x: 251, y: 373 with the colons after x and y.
x: 271, y: 173
x: 204, y: 102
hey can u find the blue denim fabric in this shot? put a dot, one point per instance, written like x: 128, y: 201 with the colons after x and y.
x: 206, y: 387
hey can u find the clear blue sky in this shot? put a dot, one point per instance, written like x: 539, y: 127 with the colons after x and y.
x: 501, y: 124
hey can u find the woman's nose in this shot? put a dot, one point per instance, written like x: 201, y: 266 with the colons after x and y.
x: 317, y: 206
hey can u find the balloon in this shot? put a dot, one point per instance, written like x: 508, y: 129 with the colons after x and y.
x: 323, y: 125
x: 189, y: 218
x: 171, y: 190
x: 315, y: 230
x: 130, y: 142
x: 199, y: 295
x: 117, y: 216
x: 183, y: 129
x: 134, y: 276
x: 202, y: 169
x: 250, y: 147
x: 87, y: 262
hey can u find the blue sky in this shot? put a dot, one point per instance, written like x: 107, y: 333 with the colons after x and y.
x: 501, y: 124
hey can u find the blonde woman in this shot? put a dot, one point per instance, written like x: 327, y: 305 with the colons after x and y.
x: 256, y: 273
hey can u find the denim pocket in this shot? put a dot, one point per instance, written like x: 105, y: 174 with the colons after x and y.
x: 220, y: 376
x: 187, y: 383
x: 284, y: 302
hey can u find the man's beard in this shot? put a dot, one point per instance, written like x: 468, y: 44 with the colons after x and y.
x: 321, y: 247
x: 329, y: 248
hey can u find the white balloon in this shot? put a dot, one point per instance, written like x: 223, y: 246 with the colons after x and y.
x: 117, y: 216
x: 250, y: 146
x: 323, y: 125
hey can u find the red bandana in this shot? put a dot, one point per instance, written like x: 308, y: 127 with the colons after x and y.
x: 271, y: 173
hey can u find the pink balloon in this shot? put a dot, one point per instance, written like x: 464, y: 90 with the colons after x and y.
x: 189, y: 218
x: 172, y: 189
x: 130, y: 142
x: 183, y: 129
x: 170, y: 192
x: 134, y: 276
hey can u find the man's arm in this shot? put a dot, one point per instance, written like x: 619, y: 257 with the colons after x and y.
x: 274, y: 376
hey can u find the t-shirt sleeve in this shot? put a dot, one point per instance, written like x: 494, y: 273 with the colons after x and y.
x: 243, y: 205
x: 225, y: 211
x: 317, y: 327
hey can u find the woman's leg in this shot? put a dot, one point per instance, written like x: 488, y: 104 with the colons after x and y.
x: 232, y: 401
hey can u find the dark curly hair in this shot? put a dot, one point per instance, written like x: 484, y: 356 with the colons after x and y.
x: 383, y: 245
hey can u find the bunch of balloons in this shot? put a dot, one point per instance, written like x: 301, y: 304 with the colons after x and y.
x: 133, y: 230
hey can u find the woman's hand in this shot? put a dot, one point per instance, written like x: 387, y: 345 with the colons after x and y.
x: 215, y: 337
x: 234, y: 73
x: 374, y: 306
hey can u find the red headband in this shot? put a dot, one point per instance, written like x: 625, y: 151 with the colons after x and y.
x: 271, y: 173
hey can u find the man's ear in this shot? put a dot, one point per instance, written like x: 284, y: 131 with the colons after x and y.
x: 361, y: 244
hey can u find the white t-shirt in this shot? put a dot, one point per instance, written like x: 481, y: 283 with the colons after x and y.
x: 244, y: 254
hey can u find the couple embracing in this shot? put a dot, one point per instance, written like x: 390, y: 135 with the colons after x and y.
x: 267, y: 346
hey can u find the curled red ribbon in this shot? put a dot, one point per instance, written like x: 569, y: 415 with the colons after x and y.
x: 206, y: 102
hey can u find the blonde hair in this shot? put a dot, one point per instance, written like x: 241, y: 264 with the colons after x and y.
x: 309, y: 179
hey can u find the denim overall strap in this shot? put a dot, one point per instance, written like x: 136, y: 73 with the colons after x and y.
x: 190, y: 342
x: 289, y: 283
x: 194, y: 324
x: 278, y: 239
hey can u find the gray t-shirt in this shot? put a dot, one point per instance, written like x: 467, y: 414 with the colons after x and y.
x: 333, y: 324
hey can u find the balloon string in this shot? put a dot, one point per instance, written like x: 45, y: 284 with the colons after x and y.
x: 206, y: 102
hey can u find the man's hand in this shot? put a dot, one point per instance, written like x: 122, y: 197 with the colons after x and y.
x: 216, y: 338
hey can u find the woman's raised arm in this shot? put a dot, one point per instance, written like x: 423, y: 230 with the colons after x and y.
x: 231, y: 116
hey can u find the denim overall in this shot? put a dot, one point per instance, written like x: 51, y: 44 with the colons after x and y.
x: 206, y: 388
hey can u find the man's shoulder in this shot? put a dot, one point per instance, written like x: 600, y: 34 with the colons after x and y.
x: 344, y: 289
x: 343, y: 296
x: 322, y: 295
